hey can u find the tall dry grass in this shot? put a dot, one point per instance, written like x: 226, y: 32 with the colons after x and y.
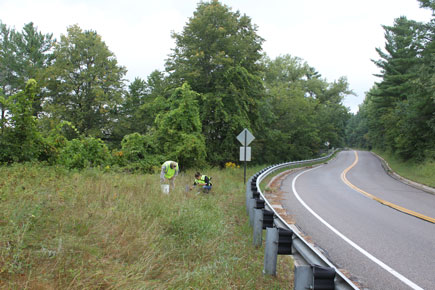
x: 105, y: 230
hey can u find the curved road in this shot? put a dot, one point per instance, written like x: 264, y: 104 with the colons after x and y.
x: 379, y: 247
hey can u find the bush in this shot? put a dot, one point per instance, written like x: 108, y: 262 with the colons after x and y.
x: 55, y: 141
x: 83, y: 153
x: 138, y: 153
x: 20, y: 139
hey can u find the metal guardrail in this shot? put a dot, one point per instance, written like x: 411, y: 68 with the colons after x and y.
x: 312, y: 269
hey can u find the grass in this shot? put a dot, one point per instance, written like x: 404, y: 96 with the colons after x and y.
x: 63, y: 229
x: 421, y: 172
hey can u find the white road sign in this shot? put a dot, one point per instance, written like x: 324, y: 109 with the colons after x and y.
x: 242, y: 153
x: 249, y: 137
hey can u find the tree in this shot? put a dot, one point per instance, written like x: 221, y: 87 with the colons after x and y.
x: 179, y: 130
x: 128, y: 115
x: 85, y: 83
x: 21, y: 140
x: 398, y: 113
x: 416, y: 126
x: 306, y: 110
x: 357, y: 129
x: 9, y: 80
x: 34, y: 56
x: 428, y: 4
x: 218, y: 54
x: 332, y: 116
x: 292, y: 132
x: 23, y: 55
x: 159, y: 91
x: 400, y: 101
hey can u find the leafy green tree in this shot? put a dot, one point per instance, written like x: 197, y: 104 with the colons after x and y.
x: 136, y: 96
x: 357, y: 129
x: 21, y: 141
x: 179, y: 130
x: 128, y: 115
x: 306, y: 110
x: 85, y: 82
x: 159, y: 91
x: 140, y: 106
x: 331, y: 115
x: 218, y: 54
x: 23, y: 55
x: 214, y: 40
x: 291, y: 133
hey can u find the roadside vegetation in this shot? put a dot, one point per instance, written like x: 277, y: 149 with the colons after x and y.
x: 397, y: 117
x: 62, y: 229
x: 80, y: 203
x: 64, y: 104
x: 421, y: 172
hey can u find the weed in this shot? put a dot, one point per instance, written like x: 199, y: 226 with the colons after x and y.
x: 95, y: 229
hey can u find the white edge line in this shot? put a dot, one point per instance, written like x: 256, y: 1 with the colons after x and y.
x: 361, y: 250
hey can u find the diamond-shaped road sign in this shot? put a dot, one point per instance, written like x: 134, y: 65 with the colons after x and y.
x: 245, y: 135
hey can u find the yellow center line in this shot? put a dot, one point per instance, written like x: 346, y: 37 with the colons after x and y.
x: 384, y: 202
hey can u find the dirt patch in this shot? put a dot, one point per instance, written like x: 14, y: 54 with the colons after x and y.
x: 275, y: 196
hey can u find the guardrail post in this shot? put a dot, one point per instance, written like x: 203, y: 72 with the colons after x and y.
x: 303, y: 273
x: 258, y: 227
x: 307, y: 276
x: 271, y: 251
x: 251, y: 211
x: 251, y: 181
x: 248, y: 197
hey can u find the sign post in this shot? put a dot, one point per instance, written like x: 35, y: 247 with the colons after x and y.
x: 245, y: 138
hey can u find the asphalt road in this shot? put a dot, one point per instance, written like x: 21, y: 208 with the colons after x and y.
x: 381, y: 248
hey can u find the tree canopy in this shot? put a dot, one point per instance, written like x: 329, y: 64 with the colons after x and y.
x: 80, y: 111
x: 398, y: 114
x: 85, y: 82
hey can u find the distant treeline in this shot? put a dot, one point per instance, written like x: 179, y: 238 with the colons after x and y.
x: 398, y: 113
x: 66, y: 101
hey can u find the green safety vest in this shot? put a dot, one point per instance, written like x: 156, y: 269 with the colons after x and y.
x: 169, y: 172
x: 202, y: 180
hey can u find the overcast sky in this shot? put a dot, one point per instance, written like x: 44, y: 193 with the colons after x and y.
x: 336, y: 37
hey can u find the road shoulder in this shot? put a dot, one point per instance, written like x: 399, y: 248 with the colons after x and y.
x: 402, y: 179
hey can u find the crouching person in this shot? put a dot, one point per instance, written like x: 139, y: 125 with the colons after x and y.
x: 203, y: 182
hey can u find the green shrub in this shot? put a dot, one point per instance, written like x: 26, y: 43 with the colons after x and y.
x: 138, y: 153
x: 20, y: 139
x: 83, y: 153
x: 55, y: 141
